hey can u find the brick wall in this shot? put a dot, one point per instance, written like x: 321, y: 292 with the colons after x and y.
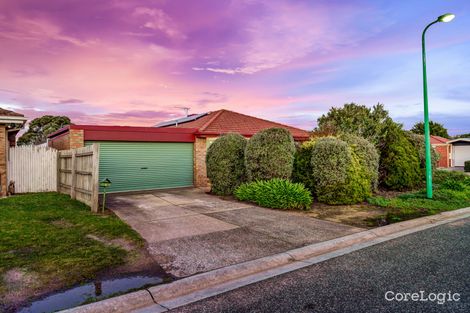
x: 200, y: 172
x: 3, y: 160
x: 76, y: 138
x: 443, y: 151
x: 61, y: 142
x: 70, y: 140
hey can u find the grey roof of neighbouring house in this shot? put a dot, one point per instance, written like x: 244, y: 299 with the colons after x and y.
x: 181, y: 120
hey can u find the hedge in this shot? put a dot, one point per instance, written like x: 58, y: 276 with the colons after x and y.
x: 302, y: 171
x: 339, y: 177
x: 275, y: 193
x: 270, y: 154
x: 225, y: 163
x: 399, y: 161
x: 367, y: 155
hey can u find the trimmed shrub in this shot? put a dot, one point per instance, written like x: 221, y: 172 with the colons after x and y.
x: 270, y: 154
x: 275, y: 193
x: 399, y: 161
x: 302, y: 171
x: 339, y: 177
x: 367, y: 155
x: 225, y: 163
x: 467, y: 166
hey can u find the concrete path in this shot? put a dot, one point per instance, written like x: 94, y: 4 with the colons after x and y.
x: 189, y: 231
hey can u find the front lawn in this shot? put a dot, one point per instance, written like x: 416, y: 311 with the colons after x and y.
x: 49, y: 241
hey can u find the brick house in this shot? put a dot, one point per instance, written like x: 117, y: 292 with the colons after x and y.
x: 171, y: 154
x: 10, y: 124
x: 442, y: 146
x: 213, y: 124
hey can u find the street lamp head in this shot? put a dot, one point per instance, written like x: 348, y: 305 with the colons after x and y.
x: 446, y: 17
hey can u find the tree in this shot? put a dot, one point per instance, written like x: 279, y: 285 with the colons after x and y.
x: 462, y: 136
x: 436, y: 129
x: 41, y: 127
x: 359, y: 120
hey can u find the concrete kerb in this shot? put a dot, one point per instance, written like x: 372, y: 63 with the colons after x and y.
x: 197, y: 287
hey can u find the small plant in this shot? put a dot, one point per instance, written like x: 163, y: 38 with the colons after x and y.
x: 275, y: 193
x: 270, y: 154
x: 467, y: 166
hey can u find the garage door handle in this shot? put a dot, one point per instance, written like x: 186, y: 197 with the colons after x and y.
x: 144, y: 168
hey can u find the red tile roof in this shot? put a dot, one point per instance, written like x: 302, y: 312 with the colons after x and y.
x: 437, y: 140
x: 224, y: 121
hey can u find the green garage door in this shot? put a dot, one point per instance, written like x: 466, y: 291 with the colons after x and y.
x: 145, y: 165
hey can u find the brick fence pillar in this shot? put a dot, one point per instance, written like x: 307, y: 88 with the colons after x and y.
x: 200, y: 172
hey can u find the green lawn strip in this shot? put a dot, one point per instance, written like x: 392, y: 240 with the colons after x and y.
x: 46, y: 234
x: 415, y: 204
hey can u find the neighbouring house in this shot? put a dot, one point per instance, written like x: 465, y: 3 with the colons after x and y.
x: 10, y: 124
x: 460, y: 151
x: 441, y: 145
x: 170, y: 155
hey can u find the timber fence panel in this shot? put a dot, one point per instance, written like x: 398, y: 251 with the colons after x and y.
x: 78, y: 174
x: 32, y: 168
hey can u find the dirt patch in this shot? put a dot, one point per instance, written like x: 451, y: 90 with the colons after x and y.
x: 18, y: 284
x: 359, y: 215
x: 118, y: 242
x: 62, y: 223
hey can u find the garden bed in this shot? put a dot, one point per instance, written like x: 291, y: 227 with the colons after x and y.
x: 50, y: 242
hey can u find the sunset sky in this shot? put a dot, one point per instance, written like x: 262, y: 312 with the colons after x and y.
x: 136, y: 62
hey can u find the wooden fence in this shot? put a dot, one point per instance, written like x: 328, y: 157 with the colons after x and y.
x: 77, y: 174
x: 32, y: 168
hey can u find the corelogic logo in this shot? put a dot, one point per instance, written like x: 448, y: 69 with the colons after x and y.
x: 423, y: 296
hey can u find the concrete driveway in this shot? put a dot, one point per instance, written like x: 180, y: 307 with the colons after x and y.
x: 189, y: 231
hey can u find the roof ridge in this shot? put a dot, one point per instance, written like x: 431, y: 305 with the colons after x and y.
x: 212, y: 119
x: 272, y: 122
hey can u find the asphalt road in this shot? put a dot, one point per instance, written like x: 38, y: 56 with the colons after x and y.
x: 433, y: 261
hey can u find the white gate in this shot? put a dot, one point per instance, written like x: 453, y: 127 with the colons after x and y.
x: 32, y: 168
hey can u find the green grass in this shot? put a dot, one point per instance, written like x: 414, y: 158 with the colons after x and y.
x: 451, y: 191
x: 45, y: 234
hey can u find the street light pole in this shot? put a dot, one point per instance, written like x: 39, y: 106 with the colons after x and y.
x: 427, y: 134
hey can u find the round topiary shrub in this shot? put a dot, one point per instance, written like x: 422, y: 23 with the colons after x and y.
x: 302, y: 170
x: 339, y: 177
x: 367, y: 155
x: 225, y: 163
x: 399, y: 161
x: 270, y: 154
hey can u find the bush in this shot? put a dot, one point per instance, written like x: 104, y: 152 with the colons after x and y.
x: 225, y: 163
x: 302, y: 171
x: 270, y: 154
x: 467, y: 166
x: 339, y: 177
x: 367, y: 155
x: 399, y: 161
x: 420, y: 146
x: 441, y: 176
x: 275, y: 193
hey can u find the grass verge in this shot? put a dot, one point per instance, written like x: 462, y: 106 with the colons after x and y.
x: 45, y: 243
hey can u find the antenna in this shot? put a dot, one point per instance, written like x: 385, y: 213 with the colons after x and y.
x: 185, y: 109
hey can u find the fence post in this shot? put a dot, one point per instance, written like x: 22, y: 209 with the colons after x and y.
x: 74, y: 174
x: 95, y: 177
x: 58, y: 170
